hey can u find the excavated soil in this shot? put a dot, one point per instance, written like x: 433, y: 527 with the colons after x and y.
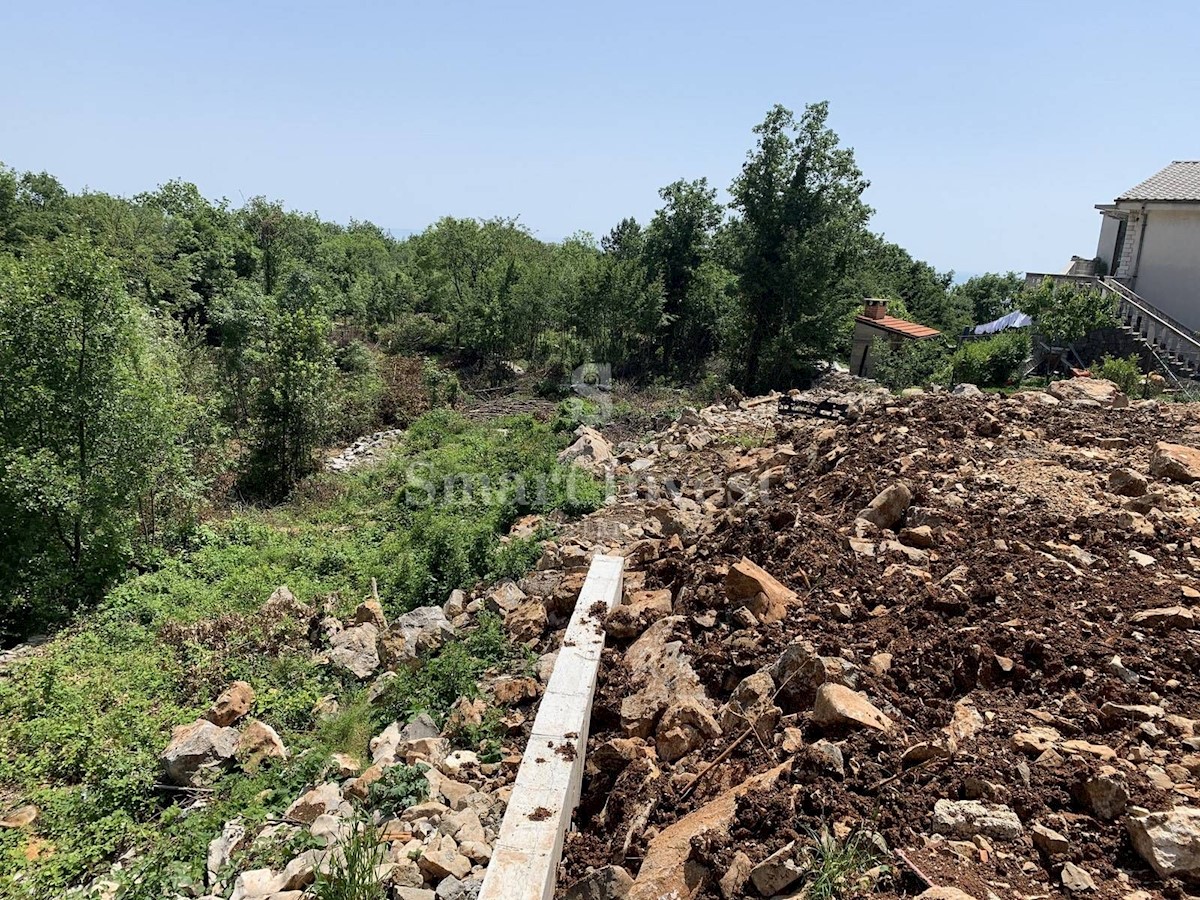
x: 1020, y: 607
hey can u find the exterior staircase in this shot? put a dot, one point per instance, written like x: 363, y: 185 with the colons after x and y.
x: 1173, y: 345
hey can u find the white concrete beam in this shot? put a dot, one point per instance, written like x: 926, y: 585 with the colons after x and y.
x: 524, y: 864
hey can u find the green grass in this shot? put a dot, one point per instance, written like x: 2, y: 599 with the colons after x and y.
x: 83, y: 722
x: 838, y: 868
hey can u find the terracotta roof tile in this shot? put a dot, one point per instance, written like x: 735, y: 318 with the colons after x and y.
x: 900, y: 326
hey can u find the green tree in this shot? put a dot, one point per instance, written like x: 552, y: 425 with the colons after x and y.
x: 797, y: 234
x: 291, y: 387
x: 990, y: 296
x: 622, y: 305
x: 679, y: 246
x: 90, y: 430
x: 1064, y: 313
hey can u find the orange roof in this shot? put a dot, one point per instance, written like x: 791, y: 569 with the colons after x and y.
x: 900, y: 326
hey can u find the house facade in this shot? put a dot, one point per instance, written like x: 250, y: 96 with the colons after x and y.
x: 1150, y: 240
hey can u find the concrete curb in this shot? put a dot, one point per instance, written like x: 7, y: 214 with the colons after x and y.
x: 524, y: 864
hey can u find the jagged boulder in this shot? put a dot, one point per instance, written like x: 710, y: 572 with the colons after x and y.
x: 1169, y: 841
x: 235, y: 701
x: 888, y: 506
x: 664, y: 673
x: 685, y: 726
x: 640, y: 610
x: 750, y: 585
x: 198, y: 751
x: 356, y: 650
x: 259, y: 742
x: 1089, y: 392
x: 1175, y: 462
x: 590, y: 451
x: 838, y: 707
x: 419, y: 631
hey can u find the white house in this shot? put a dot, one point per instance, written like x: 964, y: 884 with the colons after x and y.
x: 1150, y: 240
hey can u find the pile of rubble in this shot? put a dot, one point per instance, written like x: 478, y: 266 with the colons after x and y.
x: 961, y: 628
x: 367, y: 449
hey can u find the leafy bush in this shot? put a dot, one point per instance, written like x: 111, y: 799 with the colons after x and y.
x: 909, y: 363
x: 1124, y: 372
x: 415, y: 333
x: 992, y: 362
x: 400, y: 787
x: 441, y: 386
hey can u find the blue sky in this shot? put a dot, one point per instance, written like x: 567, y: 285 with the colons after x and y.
x: 988, y: 130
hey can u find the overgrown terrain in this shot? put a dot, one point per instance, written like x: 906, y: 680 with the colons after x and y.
x: 84, y: 719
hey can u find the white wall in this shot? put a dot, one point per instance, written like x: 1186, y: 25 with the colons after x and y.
x: 1106, y: 249
x: 1168, y: 272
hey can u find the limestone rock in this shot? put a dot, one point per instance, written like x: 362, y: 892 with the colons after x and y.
x: 1165, y: 617
x: 590, y: 451
x: 325, y: 798
x: 751, y: 704
x: 22, y: 817
x: 370, y: 612
x: 668, y: 869
x: 1127, y: 483
x: 1076, y: 879
x: 799, y: 672
x: 684, y: 727
x: 419, y: 631
x: 665, y: 675
x: 777, y: 872
x: 964, y: 819
x: 604, y: 883
x: 750, y: 585
x: 1169, y: 841
x: 510, y: 690
x: 355, y: 650
x: 259, y: 742
x: 527, y: 623
x: 889, y: 505
x: 736, y: 876
x: 642, y: 609
x: 1175, y: 462
x: 197, y: 751
x: 221, y: 848
x: 837, y: 706
x: 1089, y: 392
x: 235, y: 701
x: 1049, y: 841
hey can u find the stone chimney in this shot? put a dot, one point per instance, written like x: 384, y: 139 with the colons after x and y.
x: 875, y: 308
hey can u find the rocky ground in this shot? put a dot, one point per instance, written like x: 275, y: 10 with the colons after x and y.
x: 953, y: 633
x: 960, y: 627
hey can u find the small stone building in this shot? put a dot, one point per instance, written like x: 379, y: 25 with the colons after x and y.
x: 874, y: 323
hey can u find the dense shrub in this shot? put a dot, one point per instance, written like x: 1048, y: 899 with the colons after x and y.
x: 992, y: 362
x: 1124, y: 372
x: 909, y: 363
x: 414, y: 334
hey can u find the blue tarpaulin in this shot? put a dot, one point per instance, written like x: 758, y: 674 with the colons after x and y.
x: 1015, y: 319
